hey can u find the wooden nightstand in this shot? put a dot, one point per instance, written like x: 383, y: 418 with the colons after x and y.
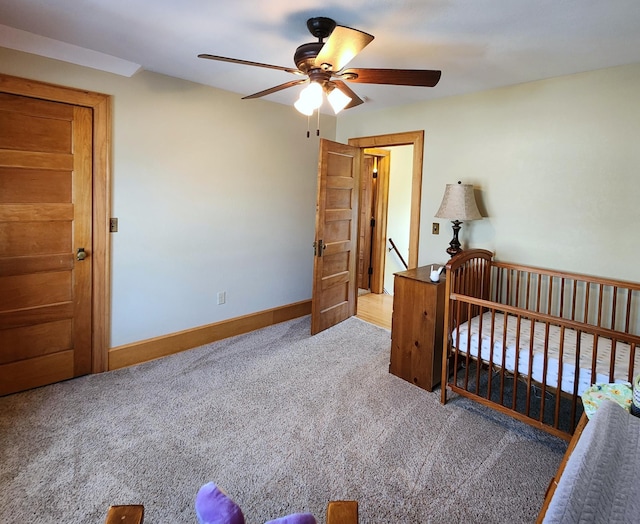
x: 416, y: 327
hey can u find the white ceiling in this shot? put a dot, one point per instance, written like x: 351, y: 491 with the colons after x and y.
x: 478, y: 44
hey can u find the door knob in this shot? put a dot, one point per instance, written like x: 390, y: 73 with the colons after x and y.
x: 81, y: 254
x: 318, y: 248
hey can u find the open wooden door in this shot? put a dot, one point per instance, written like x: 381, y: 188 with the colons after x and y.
x: 336, y: 243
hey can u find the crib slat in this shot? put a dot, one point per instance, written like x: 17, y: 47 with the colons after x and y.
x: 517, y: 363
x: 539, y: 293
x: 594, y: 357
x: 612, y: 325
x: 478, y: 367
x: 530, y: 368
x: 457, y: 344
x: 545, y: 368
x: 468, y: 353
x: 612, y: 361
x: 491, y: 352
x: 586, y: 304
x: 600, y: 299
x: 627, y: 317
x: 561, y: 312
x: 504, y: 358
x: 574, y: 299
x: 556, y: 417
x: 576, y: 375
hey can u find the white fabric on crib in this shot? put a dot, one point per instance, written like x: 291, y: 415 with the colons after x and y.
x: 601, y: 481
x: 460, y: 340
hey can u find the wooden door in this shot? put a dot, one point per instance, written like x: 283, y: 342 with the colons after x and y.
x: 45, y: 218
x: 367, y: 216
x: 336, y: 242
x: 380, y: 205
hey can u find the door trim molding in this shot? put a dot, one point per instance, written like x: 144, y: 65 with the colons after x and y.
x: 416, y: 139
x: 100, y: 104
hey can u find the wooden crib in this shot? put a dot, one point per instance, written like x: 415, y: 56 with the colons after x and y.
x: 529, y: 341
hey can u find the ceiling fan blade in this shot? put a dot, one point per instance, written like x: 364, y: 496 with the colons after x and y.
x: 355, y: 99
x: 397, y: 77
x: 342, y: 45
x: 275, y: 89
x: 247, y: 62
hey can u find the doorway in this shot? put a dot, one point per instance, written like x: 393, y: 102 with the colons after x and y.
x: 24, y: 97
x: 377, y: 306
x: 374, y: 196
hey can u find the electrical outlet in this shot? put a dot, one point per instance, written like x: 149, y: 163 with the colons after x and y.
x: 113, y: 225
x: 435, y: 228
x: 222, y: 297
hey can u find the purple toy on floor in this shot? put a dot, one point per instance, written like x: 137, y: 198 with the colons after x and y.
x: 213, y: 506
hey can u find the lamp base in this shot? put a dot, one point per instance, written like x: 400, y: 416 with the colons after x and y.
x: 454, y: 246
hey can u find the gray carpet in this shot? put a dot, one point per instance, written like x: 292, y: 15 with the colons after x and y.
x: 283, y: 422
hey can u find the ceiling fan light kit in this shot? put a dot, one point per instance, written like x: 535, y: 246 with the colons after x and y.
x: 323, y: 63
x: 338, y: 100
x: 310, y: 99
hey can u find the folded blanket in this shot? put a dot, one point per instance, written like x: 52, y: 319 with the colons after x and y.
x: 601, y: 481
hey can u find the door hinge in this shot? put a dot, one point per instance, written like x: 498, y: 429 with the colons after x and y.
x: 373, y: 222
x: 370, y: 270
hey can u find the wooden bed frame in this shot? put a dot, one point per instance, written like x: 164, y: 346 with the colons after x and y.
x: 538, y: 382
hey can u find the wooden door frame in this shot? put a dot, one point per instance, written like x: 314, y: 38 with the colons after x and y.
x: 416, y: 139
x: 100, y: 104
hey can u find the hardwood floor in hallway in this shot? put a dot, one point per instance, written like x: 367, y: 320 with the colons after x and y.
x: 376, y: 309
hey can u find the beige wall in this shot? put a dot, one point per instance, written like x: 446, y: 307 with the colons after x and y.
x: 218, y: 194
x: 399, y: 211
x: 212, y: 194
x: 556, y: 165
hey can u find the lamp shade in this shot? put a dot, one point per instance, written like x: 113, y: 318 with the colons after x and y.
x: 459, y: 203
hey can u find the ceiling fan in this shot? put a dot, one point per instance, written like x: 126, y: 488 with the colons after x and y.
x: 323, y: 66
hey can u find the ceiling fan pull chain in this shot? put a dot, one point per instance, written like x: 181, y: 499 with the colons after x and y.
x: 308, y: 125
x: 318, y: 126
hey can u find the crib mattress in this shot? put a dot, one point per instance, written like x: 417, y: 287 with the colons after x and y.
x: 465, y: 342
